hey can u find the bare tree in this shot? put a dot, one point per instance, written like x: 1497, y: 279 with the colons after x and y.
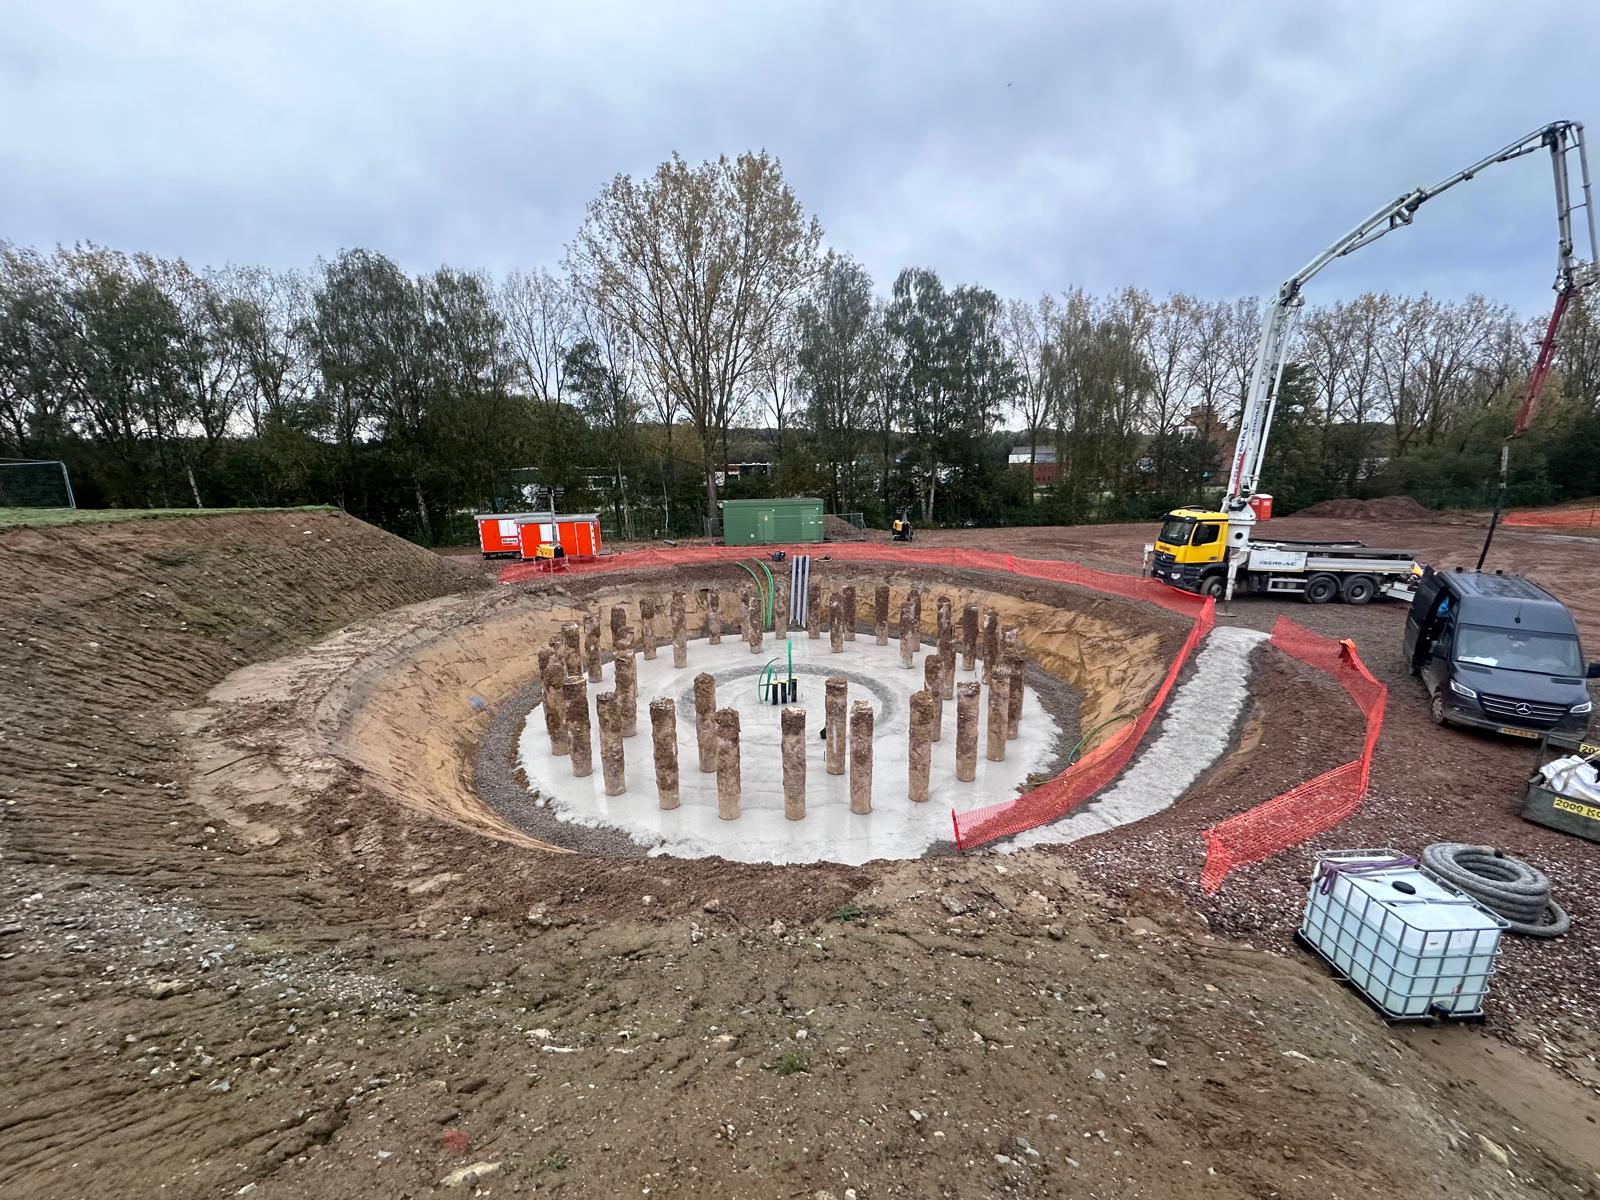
x: 541, y: 318
x: 700, y: 264
x: 1029, y: 331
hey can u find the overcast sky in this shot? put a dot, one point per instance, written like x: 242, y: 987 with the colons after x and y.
x: 1204, y: 147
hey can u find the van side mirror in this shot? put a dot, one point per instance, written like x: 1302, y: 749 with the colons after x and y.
x: 1438, y: 650
x: 1593, y: 672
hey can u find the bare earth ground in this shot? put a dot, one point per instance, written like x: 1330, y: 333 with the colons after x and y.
x: 365, y: 999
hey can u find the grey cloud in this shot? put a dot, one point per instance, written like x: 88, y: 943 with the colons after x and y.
x: 1208, y: 148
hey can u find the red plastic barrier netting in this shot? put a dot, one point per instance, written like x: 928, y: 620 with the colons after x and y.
x: 1318, y: 804
x: 1566, y: 518
x: 1053, y: 800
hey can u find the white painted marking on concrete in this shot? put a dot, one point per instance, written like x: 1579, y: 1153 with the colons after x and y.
x: 1195, y: 729
x: 896, y: 828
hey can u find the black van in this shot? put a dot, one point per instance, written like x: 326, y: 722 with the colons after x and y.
x: 1498, y: 652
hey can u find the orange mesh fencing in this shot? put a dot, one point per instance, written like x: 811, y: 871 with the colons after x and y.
x: 1052, y: 800
x: 1562, y: 518
x: 1318, y: 804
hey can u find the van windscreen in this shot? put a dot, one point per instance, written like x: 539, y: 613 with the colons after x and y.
x: 1519, y: 650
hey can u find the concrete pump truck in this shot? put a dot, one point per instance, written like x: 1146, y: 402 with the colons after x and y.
x: 1214, y: 551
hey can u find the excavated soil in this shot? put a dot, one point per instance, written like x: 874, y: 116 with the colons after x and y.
x: 1384, y: 508
x: 261, y: 937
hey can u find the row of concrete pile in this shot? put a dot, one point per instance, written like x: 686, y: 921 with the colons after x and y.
x: 574, y: 658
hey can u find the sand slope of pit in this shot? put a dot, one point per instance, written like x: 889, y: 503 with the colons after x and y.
x: 895, y: 828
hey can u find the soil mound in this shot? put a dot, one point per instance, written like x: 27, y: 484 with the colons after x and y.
x: 1385, y: 508
x: 837, y: 529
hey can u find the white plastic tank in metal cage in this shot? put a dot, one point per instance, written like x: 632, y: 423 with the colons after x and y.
x: 1415, y: 946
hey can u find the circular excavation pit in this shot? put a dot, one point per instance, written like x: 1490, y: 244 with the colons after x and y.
x: 820, y: 819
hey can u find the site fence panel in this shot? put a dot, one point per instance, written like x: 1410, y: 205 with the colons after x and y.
x: 1320, y: 803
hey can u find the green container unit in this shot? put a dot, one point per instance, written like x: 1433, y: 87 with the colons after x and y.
x: 768, y: 522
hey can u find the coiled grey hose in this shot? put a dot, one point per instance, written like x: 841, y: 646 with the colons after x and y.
x: 1507, y: 885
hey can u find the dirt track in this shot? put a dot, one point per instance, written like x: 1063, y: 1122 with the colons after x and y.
x: 367, y: 997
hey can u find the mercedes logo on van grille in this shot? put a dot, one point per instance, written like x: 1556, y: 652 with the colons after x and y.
x: 1523, y: 710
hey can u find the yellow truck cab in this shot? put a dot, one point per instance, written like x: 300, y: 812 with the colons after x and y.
x: 1190, y: 549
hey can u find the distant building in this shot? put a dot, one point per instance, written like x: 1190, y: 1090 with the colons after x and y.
x: 744, y: 470
x: 1046, y: 471
x: 1201, y: 422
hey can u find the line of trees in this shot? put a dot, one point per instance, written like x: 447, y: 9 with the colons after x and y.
x: 697, y: 321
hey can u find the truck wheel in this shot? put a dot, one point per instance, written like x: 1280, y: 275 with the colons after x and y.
x: 1359, y: 589
x: 1213, y: 586
x: 1321, y: 588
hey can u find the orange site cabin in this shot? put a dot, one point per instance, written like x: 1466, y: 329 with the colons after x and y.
x: 498, y: 534
x: 578, y: 534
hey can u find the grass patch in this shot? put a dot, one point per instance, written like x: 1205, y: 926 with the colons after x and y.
x: 791, y: 1064
x: 846, y: 913
x: 556, y: 1161
x: 44, y: 518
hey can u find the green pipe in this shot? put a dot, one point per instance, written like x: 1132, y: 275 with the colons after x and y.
x: 1073, y: 757
x: 763, y: 684
x: 772, y: 590
x: 754, y: 577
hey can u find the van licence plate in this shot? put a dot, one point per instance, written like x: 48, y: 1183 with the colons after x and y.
x: 1514, y: 732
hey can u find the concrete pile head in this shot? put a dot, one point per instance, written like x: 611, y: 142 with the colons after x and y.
x: 933, y: 685
x: 647, y: 627
x: 880, y: 613
x: 728, y: 790
x: 714, y: 617
x: 793, y: 724
x: 680, y: 631
x: 580, y: 737
x: 626, y: 681
x: 592, y: 649
x: 919, y: 754
x: 552, y: 675
x: 664, y: 748
x: 861, y: 720
x: 613, y: 762
x: 705, y: 706
x: 967, y: 731
x: 835, y: 693
x: 999, y: 713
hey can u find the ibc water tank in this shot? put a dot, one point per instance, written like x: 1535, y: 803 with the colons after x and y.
x: 1413, y: 945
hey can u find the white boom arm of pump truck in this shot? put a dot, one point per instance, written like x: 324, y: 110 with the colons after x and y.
x: 1560, y: 138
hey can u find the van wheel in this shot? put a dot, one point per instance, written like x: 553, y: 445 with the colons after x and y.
x: 1436, y: 707
x: 1359, y: 589
x: 1213, y: 586
x: 1321, y: 588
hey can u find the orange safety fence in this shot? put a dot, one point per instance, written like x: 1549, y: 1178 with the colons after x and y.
x: 1560, y: 518
x: 1320, y: 803
x: 1052, y: 800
